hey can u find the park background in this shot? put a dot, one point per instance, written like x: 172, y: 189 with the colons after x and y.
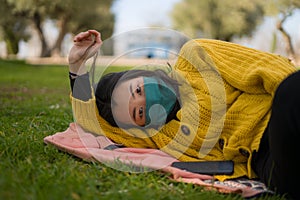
x: 35, y: 29
x: 34, y: 97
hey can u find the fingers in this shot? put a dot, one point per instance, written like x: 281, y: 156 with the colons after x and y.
x: 87, y: 35
x: 81, y: 36
x: 97, y: 36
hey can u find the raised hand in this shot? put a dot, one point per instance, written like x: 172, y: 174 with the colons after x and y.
x: 86, y: 44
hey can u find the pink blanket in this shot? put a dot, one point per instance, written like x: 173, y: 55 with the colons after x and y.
x: 89, y: 147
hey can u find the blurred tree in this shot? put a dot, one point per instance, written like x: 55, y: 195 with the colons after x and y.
x: 217, y: 19
x: 12, y: 29
x: 71, y: 16
x: 284, y: 9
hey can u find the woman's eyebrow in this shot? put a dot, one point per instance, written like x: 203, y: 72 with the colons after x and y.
x: 131, y: 91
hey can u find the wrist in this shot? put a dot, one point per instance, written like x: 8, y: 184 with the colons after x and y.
x: 77, y: 69
x: 72, y: 75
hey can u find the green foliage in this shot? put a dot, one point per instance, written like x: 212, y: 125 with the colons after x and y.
x: 273, y: 8
x: 71, y: 16
x: 93, y: 15
x: 12, y: 27
x: 218, y: 19
x: 34, y: 103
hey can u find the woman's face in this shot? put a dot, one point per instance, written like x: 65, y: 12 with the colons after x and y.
x: 130, y: 102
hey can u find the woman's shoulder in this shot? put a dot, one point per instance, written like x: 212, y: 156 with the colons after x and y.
x: 210, y: 43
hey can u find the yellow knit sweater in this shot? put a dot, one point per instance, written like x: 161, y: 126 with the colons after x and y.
x: 226, y: 92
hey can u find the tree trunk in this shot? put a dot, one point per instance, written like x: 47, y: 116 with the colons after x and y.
x: 45, y: 52
x: 288, y: 42
x: 12, y: 42
x: 56, y: 50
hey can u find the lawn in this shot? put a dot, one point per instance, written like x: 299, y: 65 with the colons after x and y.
x: 34, y: 103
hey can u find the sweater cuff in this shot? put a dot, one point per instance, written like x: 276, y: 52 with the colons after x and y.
x: 85, y: 114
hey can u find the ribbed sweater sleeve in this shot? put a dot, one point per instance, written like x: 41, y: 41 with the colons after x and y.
x: 249, y: 70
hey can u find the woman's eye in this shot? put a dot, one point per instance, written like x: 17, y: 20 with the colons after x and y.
x: 141, y: 111
x: 138, y: 90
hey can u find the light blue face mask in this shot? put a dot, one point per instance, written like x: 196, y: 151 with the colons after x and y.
x: 160, y: 100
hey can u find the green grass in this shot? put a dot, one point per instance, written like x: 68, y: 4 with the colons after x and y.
x: 34, y: 103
